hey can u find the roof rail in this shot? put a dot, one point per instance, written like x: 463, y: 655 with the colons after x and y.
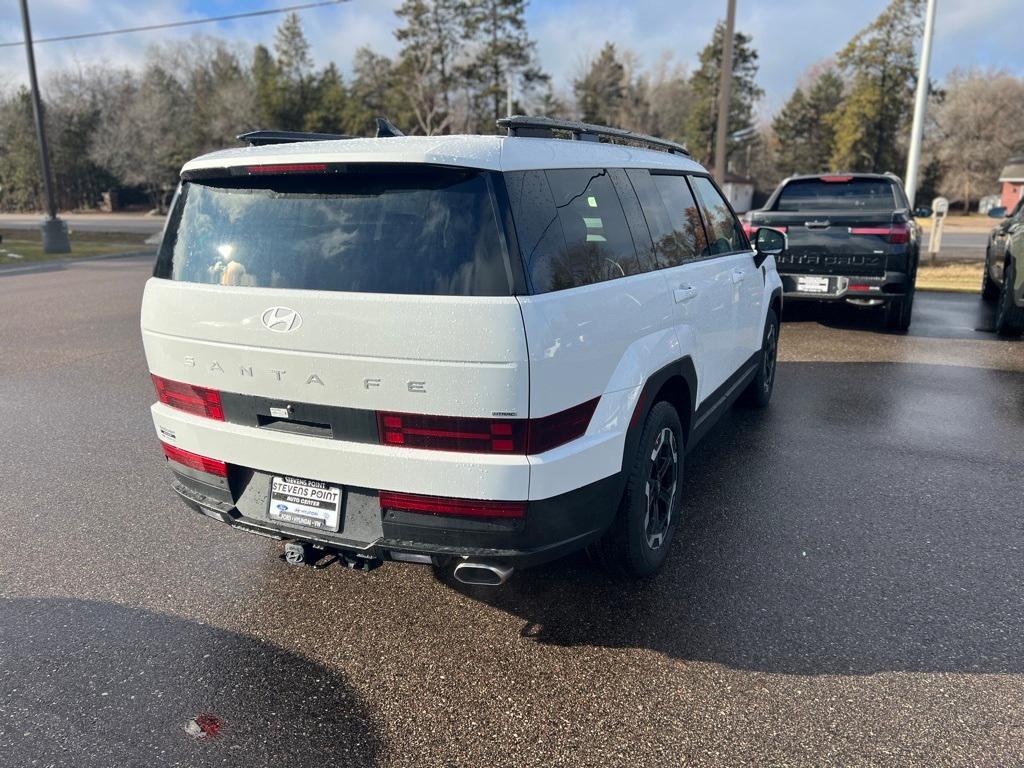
x: 262, y: 138
x: 545, y: 127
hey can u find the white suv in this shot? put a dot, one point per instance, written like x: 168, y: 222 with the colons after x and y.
x: 472, y: 351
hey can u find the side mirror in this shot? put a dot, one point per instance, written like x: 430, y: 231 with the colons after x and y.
x: 999, y: 212
x: 768, y: 242
x: 923, y: 212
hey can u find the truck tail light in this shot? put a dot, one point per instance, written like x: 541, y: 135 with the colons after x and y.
x: 897, y: 234
x: 751, y: 229
x: 438, y: 505
x: 194, y: 460
x: 186, y: 397
x: 472, y: 435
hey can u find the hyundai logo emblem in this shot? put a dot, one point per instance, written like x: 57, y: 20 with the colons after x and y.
x: 281, y: 319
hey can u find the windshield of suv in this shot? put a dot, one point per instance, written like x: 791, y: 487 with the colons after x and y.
x: 378, y: 229
x: 854, y: 194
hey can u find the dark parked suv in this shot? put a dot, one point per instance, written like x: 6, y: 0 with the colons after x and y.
x: 852, y: 238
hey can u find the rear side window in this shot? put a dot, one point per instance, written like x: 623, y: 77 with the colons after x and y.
x: 724, y: 232
x: 844, y: 194
x: 673, y: 216
x: 573, y: 232
x: 378, y: 229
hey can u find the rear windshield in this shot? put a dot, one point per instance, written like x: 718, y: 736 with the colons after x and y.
x: 379, y: 229
x: 855, y: 194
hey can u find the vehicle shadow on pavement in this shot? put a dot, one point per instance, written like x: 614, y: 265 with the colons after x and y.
x: 868, y: 521
x: 936, y: 315
x: 97, y: 684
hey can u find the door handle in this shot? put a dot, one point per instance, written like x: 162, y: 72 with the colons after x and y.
x: 684, y: 293
x: 738, y: 275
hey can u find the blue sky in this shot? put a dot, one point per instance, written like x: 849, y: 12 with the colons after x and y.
x: 790, y: 35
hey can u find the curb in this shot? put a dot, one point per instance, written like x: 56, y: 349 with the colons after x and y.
x: 32, y: 266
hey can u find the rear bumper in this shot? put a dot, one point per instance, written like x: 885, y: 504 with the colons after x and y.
x: 887, y: 287
x: 551, y: 528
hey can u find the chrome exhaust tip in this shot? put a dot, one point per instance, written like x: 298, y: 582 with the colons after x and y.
x: 482, y: 574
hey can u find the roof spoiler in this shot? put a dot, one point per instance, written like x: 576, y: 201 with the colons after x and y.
x: 385, y: 129
x: 545, y: 128
x: 263, y: 138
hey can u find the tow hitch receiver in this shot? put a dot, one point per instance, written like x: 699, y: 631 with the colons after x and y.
x: 297, y: 553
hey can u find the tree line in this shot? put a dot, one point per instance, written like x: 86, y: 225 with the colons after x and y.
x: 132, y: 130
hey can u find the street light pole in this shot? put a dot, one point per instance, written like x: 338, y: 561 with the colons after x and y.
x: 55, y: 233
x: 920, y: 105
x: 724, y: 92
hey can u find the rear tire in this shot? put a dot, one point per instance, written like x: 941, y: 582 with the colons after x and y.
x: 899, y: 311
x: 1009, y: 317
x: 639, y: 538
x: 759, y: 392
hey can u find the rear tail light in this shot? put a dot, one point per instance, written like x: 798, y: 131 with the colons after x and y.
x: 470, y: 435
x: 445, y: 433
x: 559, y: 428
x: 186, y: 397
x: 437, y: 505
x: 897, y: 234
x: 195, y: 461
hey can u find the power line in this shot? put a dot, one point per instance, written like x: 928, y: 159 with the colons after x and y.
x: 172, y: 24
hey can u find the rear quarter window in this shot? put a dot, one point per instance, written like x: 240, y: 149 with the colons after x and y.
x: 571, y: 228
x: 396, y: 229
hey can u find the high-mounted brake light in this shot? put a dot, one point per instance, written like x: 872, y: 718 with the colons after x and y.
x: 836, y: 179
x: 201, y: 401
x: 288, y: 168
x: 194, y: 460
x: 437, y: 505
x: 472, y: 435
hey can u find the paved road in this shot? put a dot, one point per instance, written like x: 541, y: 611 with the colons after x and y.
x: 845, y: 591
x: 90, y: 222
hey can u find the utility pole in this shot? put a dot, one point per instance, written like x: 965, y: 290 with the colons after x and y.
x: 724, y: 93
x: 920, y: 105
x: 55, y: 232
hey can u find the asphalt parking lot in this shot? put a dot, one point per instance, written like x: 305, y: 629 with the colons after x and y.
x: 846, y: 590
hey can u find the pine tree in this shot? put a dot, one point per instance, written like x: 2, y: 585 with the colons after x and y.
x: 293, y: 79
x: 701, y: 124
x: 880, y: 66
x: 804, y: 126
x: 329, y: 102
x: 503, y: 52
x: 601, y: 91
x: 430, y: 37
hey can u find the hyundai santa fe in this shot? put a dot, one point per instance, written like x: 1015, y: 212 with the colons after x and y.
x: 480, y: 352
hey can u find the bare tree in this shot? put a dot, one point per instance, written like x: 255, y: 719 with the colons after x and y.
x: 975, y: 130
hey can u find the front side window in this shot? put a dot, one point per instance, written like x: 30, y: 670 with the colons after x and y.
x: 725, y: 235
x: 392, y: 229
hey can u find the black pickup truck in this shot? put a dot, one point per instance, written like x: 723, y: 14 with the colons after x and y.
x: 851, y: 237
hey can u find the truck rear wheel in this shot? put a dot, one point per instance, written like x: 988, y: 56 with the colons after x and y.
x: 898, y: 312
x: 638, y: 541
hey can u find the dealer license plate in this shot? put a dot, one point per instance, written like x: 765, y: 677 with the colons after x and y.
x: 812, y: 284
x: 308, y: 503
